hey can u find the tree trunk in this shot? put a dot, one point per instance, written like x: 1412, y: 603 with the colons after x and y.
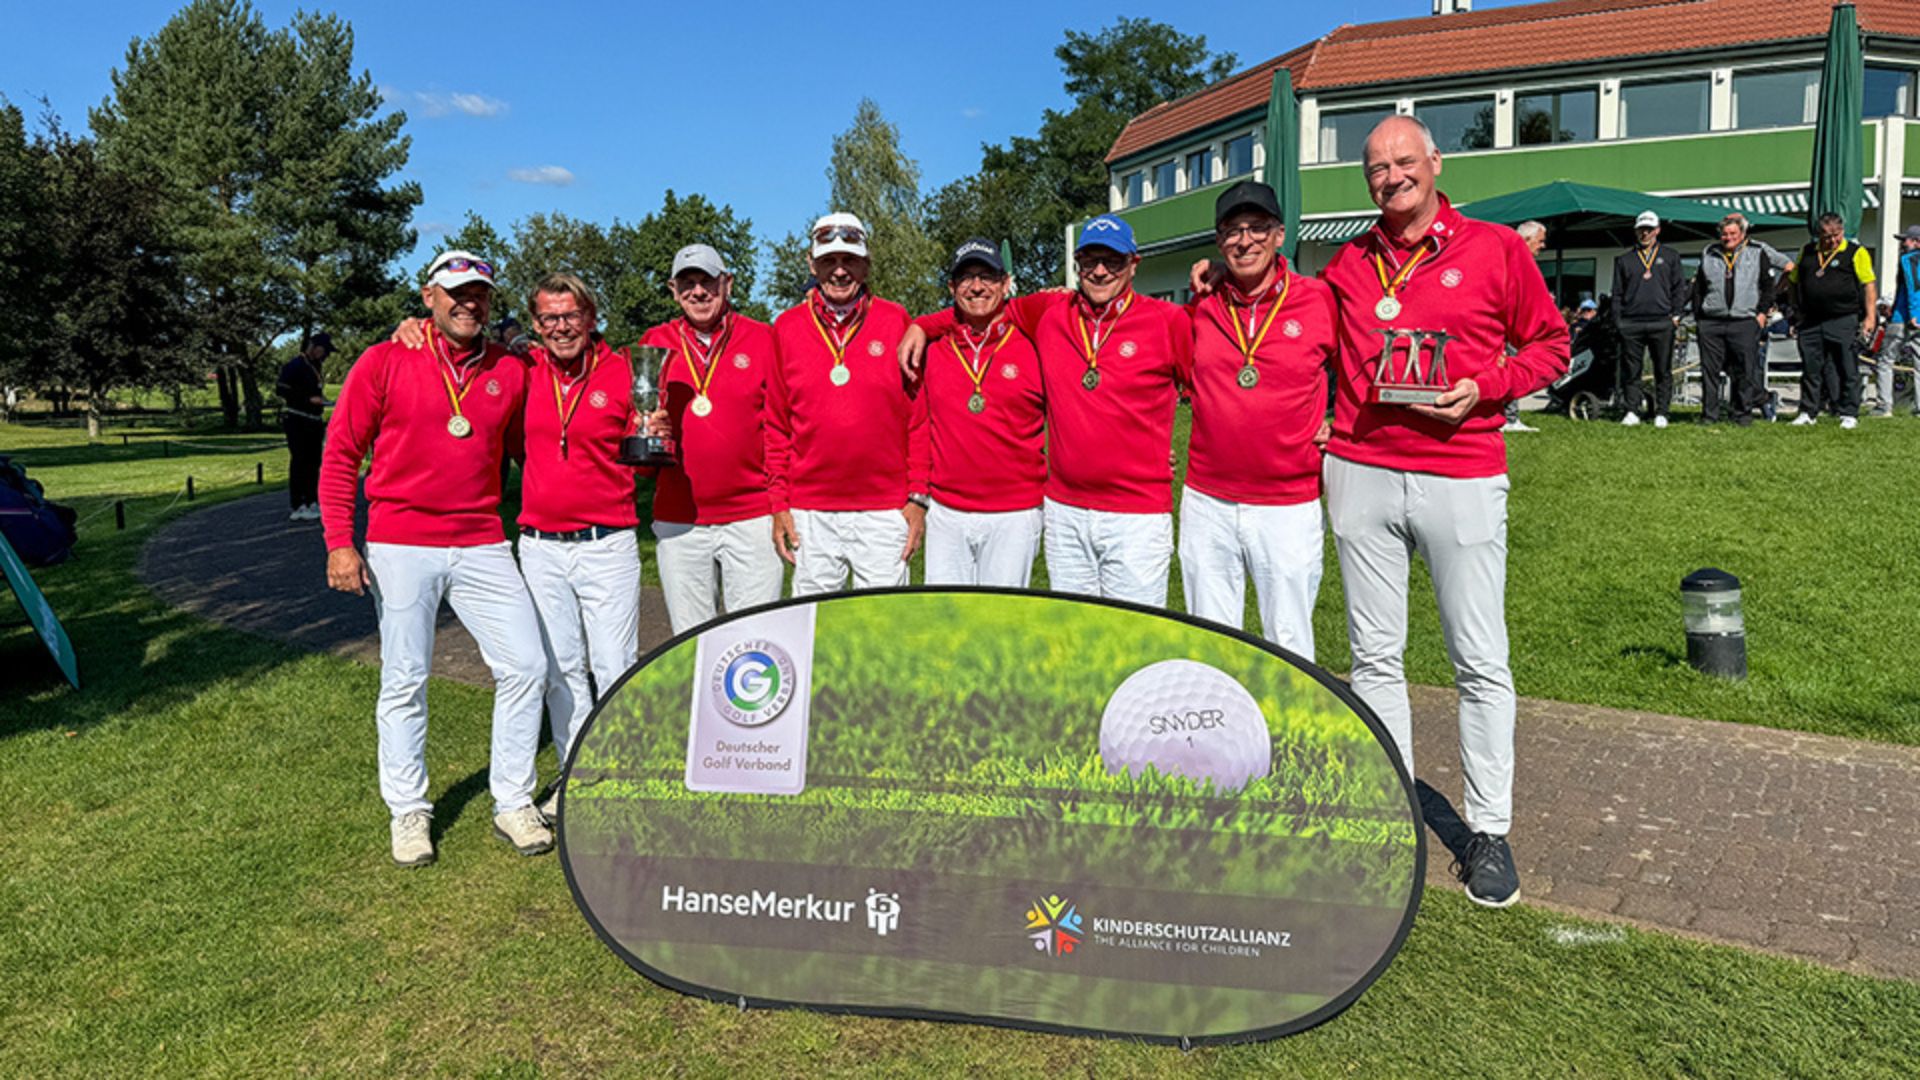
x: 229, y: 401
x: 250, y: 384
x: 93, y: 417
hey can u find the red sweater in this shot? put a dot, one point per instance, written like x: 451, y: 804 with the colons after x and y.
x: 722, y: 475
x: 1107, y: 448
x: 426, y: 486
x: 585, y: 486
x: 1256, y: 445
x: 862, y: 446
x: 1482, y: 287
x: 994, y: 460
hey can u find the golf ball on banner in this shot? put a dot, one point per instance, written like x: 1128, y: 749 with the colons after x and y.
x: 1188, y: 719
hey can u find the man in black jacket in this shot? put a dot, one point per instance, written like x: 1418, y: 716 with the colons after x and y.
x: 302, y: 407
x: 1649, y: 294
x: 1835, y: 298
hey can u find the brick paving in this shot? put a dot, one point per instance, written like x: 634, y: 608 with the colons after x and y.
x: 1802, y: 845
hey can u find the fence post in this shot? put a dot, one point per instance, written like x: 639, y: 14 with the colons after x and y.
x: 119, y: 515
x: 189, y: 489
x: 123, y: 440
x: 260, y: 472
x: 165, y: 450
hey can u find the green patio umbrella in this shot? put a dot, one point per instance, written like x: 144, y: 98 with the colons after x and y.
x: 1836, y: 133
x: 1283, y: 155
x: 1006, y: 260
x: 1564, y: 206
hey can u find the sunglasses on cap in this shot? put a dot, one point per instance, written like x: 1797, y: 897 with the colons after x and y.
x: 827, y: 234
x: 461, y: 266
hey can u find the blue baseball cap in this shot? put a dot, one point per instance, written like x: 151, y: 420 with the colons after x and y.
x: 1107, y: 231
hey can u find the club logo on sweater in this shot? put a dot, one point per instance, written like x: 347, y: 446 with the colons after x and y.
x: 874, y: 348
x: 1128, y: 348
x: 1452, y: 278
x: 493, y: 387
x: 597, y: 399
x: 1291, y: 328
x: 740, y: 361
x: 1009, y: 371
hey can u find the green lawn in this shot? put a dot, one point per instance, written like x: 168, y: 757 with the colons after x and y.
x: 197, y: 878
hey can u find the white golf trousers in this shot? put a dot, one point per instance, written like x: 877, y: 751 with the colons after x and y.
x: 735, y: 560
x: 1281, y: 547
x: 966, y: 547
x: 1380, y: 518
x: 484, y: 587
x: 834, y: 543
x: 1110, y: 554
x: 588, y: 597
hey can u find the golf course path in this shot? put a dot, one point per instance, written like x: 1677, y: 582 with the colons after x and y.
x: 1803, y: 845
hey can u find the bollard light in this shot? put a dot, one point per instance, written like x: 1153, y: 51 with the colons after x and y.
x: 1716, y: 631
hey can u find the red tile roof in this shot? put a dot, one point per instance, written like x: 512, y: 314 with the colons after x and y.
x: 1501, y: 39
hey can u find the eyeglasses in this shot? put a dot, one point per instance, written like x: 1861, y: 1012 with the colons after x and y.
x: 1114, y: 262
x: 827, y: 234
x: 1251, y: 232
x: 461, y: 266
x: 563, y: 318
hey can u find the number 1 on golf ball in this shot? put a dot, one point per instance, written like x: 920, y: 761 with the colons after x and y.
x: 1188, y: 719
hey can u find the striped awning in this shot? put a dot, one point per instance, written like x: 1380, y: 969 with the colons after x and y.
x: 1335, y: 230
x: 1789, y: 203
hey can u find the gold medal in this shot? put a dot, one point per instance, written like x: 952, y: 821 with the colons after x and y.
x: 1249, y: 377
x: 702, y: 405
x: 459, y: 427
x: 1091, y: 379
x: 977, y: 403
x: 976, y: 369
x: 1387, y: 310
x: 841, y: 376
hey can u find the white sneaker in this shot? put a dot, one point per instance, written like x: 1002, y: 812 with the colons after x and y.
x: 1803, y: 420
x: 1517, y: 425
x: 525, y: 829
x: 550, y: 806
x: 298, y: 513
x: 310, y: 512
x: 1632, y: 419
x: 413, y: 839
x: 1848, y: 423
x: 1660, y: 422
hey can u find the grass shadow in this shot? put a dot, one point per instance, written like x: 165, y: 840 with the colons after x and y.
x: 1659, y: 654
x: 1443, y: 819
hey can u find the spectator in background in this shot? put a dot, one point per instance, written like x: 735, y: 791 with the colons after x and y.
x: 1902, y: 344
x: 1535, y: 235
x: 1836, y: 302
x: 1649, y: 293
x: 303, y: 404
x: 1731, y: 294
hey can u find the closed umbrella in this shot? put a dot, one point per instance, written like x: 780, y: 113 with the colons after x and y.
x: 1836, y: 134
x: 1283, y: 156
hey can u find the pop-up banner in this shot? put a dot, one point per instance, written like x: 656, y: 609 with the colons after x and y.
x: 1007, y: 807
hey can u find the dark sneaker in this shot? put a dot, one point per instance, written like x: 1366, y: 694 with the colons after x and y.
x: 1487, y: 870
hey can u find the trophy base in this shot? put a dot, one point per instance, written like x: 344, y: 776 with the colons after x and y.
x: 652, y: 451
x: 1407, y: 395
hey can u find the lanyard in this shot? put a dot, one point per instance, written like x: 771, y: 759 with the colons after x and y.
x: 1646, y: 260
x: 1828, y: 260
x: 1253, y: 308
x: 977, y: 368
x: 836, y: 342
x: 1090, y: 344
x: 1400, y: 276
x: 444, y: 363
x: 1731, y: 257
x: 716, y: 343
x: 560, y: 405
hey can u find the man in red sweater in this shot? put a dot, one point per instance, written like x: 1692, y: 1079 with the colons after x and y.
x: 846, y: 439
x: 711, y: 512
x: 1111, y: 363
x: 1263, y: 341
x: 439, y: 420
x: 1432, y: 478
x: 986, y: 415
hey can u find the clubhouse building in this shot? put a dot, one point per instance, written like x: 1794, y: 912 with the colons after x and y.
x: 1705, y: 99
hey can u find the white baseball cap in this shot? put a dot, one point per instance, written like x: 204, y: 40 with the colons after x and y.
x: 1647, y: 220
x: 698, y: 257
x: 452, y: 269
x: 838, y: 231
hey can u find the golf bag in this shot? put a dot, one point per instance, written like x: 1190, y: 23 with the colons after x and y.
x: 41, y: 532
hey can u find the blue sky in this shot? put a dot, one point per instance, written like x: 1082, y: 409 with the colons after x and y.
x: 594, y: 109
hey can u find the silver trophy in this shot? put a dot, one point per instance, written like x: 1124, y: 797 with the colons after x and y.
x: 1420, y: 379
x: 648, y: 393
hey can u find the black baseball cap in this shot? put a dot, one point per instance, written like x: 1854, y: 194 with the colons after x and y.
x: 1245, y: 195
x: 977, y: 250
x: 320, y: 338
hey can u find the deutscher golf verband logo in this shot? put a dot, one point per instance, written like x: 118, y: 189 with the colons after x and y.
x: 752, y: 682
x: 1053, y: 925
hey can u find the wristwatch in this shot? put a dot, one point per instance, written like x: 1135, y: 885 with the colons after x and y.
x: 919, y: 499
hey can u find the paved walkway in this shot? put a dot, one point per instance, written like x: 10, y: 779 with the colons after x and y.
x: 1803, y: 845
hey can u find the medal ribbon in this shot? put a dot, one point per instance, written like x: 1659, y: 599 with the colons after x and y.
x: 1091, y: 345
x: 1826, y: 261
x: 560, y: 396
x: 1400, y: 276
x: 1240, y: 339
x: 1646, y: 260
x: 1731, y: 257
x: 977, y: 369
x: 836, y: 342
x: 445, y: 364
x: 717, y: 344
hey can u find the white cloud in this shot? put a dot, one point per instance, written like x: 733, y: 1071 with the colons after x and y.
x: 436, y: 104
x: 973, y: 112
x: 433, y: 228
x: 542, y: 174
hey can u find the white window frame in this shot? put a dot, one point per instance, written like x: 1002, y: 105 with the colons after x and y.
x: 1682, y: 75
